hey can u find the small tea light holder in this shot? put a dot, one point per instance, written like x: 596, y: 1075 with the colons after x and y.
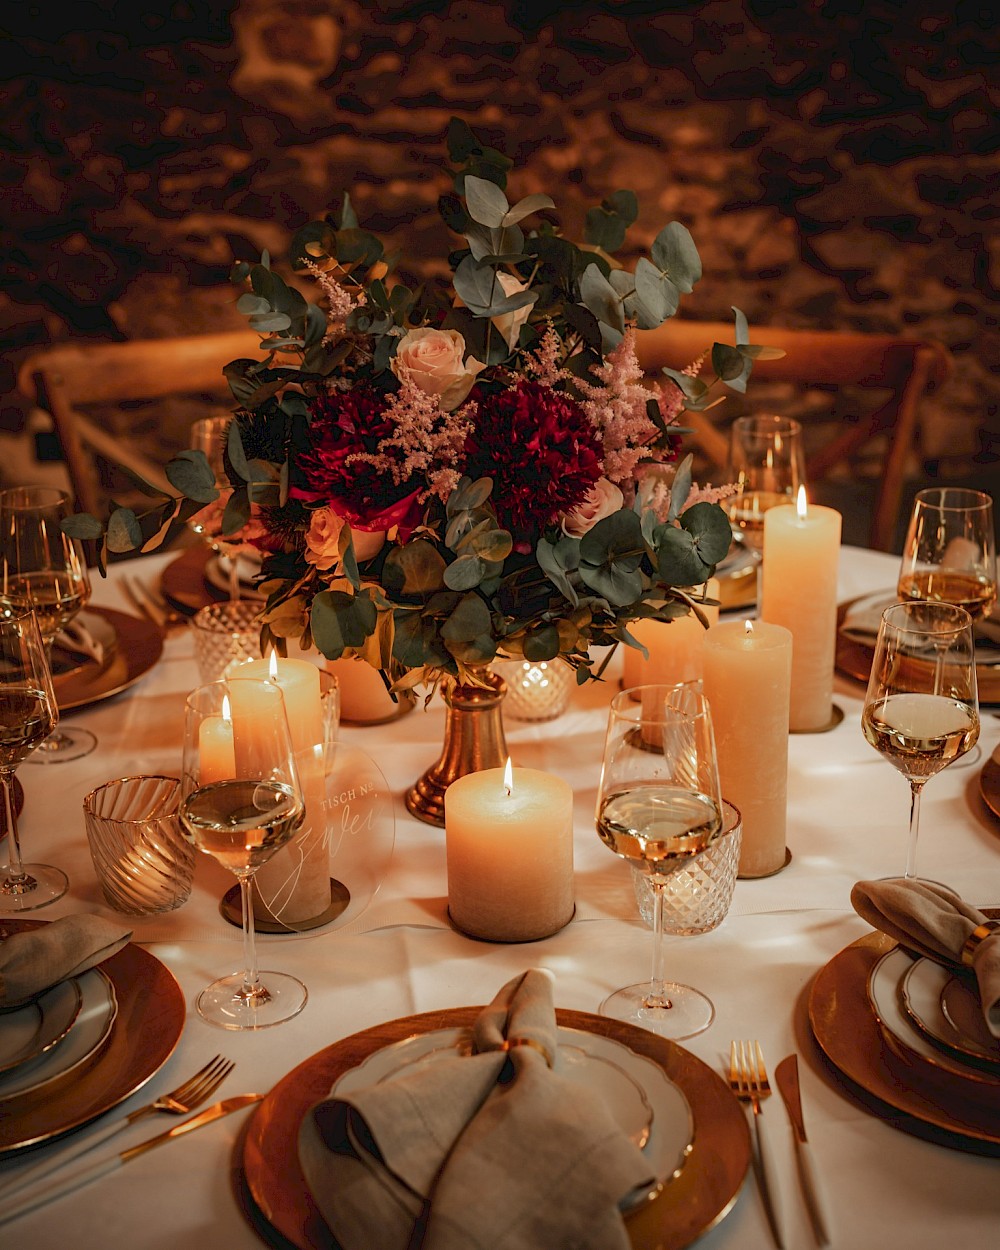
x: 509, y: 837
x: 535, y: 691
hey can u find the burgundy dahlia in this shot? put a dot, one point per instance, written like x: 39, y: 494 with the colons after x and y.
x: 347, y: 424
x: 541, y: 451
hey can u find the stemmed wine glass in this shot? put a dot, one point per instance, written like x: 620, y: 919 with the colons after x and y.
x: 43, y: 569
x: 921, y: 711
x: 28, y: 712
x: 241, y: 800
x: 950, y: 550
x: 767, y: 463
x: 658, y: 804
x: 209, y: 435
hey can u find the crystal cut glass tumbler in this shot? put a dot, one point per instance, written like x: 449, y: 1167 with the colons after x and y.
x: 697, y: 898
x: 143, y: 862
x: 225, y: 635
x: 535, y: 691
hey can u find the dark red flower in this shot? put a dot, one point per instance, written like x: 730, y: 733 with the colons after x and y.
x: 345, y: 424
x: 541, y: 451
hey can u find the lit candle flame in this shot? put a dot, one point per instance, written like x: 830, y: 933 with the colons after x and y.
x: 272, y: 668
x: 800, y: 503
x: 748, y: 626
x: 226, y: 712
x: 508, y: 777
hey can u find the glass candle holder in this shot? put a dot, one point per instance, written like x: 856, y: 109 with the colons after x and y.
x: 697, y: 897
x: 535, y: 691
x: 144, y: 864
x: 225, y: 635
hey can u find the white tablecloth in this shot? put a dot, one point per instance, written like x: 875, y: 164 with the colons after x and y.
x: 847, y: 820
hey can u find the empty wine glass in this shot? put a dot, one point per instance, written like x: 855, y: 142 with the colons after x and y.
x: 28, y: 713
x: 240, y: 801
x: 44, y: 569
x: 658, y: 804
x: 767, y: 463
x: 950, y: 550
x: 921, y: 711
x: 209, y: 435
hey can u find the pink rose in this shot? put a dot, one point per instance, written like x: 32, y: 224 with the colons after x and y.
x: 434, y: 361
x: 602, y: 499
x: 323, y: 539
x: 509, y: 324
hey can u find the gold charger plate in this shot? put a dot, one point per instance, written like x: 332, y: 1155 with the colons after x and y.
x: 989, y: 783
x: 688, y: 1206
x: 908, y: 1095
x: 151, y: 1013
x: 854, y: 656
x: 139, y: 646
x: 184, y: 583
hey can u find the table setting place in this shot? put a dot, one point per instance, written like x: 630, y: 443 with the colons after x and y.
x: 306, y: 860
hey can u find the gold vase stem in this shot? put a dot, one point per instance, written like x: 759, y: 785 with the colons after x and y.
x: 473, y: 740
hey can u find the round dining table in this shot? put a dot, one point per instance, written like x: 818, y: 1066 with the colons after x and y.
x: 397, y: 954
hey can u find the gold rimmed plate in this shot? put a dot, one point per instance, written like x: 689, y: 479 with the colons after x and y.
x: 697, y: 1199
x: 911, y: 1096
x: 147, y: 1028
x: 857, y: 630
x: 194, y: 580
x: 139, y: 644
x: 32, y: 1030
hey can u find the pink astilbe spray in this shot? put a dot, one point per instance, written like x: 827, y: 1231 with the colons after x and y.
x: 427, y: 442
x: 655, y: 482
x: 544, y: 364
x: 616, y: 406
x: 340, y: 303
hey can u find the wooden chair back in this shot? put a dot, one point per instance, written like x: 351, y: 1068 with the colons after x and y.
x: 71, y: 377
x: 903, y: 369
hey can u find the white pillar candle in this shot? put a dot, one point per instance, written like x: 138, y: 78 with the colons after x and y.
x: 364, y: 699
x: 299, y: 682
x: 748, y: 669
x: 216, y: 749
x: 799, y: 591
x: 675, y: 647
x: 510, y: 854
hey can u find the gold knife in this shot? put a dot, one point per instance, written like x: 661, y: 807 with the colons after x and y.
x: 48, y: 1190
x: 786, y: 1077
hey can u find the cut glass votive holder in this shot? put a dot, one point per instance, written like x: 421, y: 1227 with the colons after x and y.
x: 698, y: 896
x: 143, y: 862
x: 535, y: 691
x: 225, y: 635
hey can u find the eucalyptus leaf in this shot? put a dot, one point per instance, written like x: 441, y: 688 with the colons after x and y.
x: 339, y: 621
x: 674, y: 253
x: 486, y: 203
x: 83, y: 526
x: 124, y: 531
x: 742, y: 327
x: 470, y: 619
x: 600, y: 297
x: 542, y: 644
x: 236, y: 512
x: 465, y: 573
x: 524, y: 208
x: 190, y: 473
x: 657, y: 295
x: 680, y: 487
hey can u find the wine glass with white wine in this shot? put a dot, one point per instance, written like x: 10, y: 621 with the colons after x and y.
x: 921, y: 711
x: 767, y: 463
x: 950, y: 550
x: 43, y: 569
x: 28, y: 713
x: 241, y: 800
x: 659, y: 804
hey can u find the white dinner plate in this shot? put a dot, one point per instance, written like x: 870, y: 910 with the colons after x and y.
x: 217, y: 574
x: 91, y: 1030
x: 885, y: 992
x: 963, y: 1011
x: 29, y: 1031
x: 652, y: 1107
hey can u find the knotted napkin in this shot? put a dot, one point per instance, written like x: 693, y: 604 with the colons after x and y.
x: 492, y: 1150
x: 933, y: 920
x: 35, y: 960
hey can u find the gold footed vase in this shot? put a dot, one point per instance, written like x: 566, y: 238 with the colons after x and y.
x: 473, y: 740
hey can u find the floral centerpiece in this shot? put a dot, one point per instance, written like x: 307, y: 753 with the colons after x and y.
x: 438, y: 475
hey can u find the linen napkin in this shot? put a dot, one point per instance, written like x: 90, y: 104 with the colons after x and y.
x: 933, y: 920
x: 487, y: 1151
x: 37, y: 959
x: 77, y: 639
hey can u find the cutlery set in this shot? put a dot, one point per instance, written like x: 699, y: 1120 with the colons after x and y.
x: 749, y: 1082
x: 29, y: 1189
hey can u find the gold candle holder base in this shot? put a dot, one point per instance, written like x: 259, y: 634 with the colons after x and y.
x: 231, y: 910
x: 473, y: 740
x: 836, y: 716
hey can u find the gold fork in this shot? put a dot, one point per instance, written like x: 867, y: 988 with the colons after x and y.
x: 748, y: 1081
x: 188, y: 1095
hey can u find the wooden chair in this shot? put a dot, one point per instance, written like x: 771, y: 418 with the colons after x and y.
x: 900, y: 370
x: 69, y: 378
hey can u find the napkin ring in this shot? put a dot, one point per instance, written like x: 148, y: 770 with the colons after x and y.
x: 976, y: 938
x: 511, y: 1042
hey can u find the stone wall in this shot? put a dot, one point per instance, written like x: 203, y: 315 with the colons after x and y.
x: 836, y: 162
